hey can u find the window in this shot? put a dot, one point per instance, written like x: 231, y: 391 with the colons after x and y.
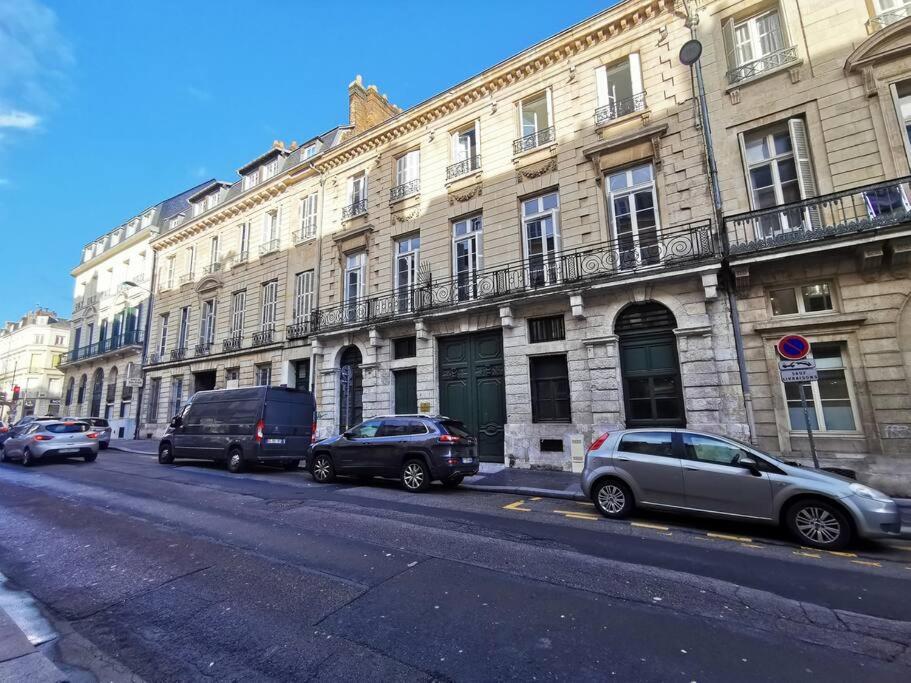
x: 154, y: 397
x: 80, y: 396
x: 264, y: 374
x: 619, y: 88
x: 232, y: 378
x: 212, y: 199
x: 183, y: 332
x: 407, y: 173
x: 830, y: 400
x: 534, y: 114
x: 546, y: 329
x: 811, y: 298
x: 707, y: 449
x: 269, y: 170
x: 465, y: 151
x: 648, y: 443
x: 270, y: 228
x: 401, y: 427
x: 755, y: 45
x: 251, y: 179
x: 269, y: 306
x: 541, y: 229
x: 406, y: 272
x: 355, y: 265
x: 466, y: 256
x: 169, y: 278
x: 244, y: 246
x: 549, y: 389
x: 190, y: 261
x: 238, y: 304
x: 35, y: 362
x: 308, y: 209
x: 365, y: 430
x: 77, y: 336
x: 406, y: 347
x: 70, y: 386
x: 213, y: 251
x: 303, y: 296
x: 207, y: 323
x: 309, y: 151
x: 39, y: 338
x: 357, y: 188
x: 59, y: 340
x: 199, y: 207
x: 634, y: 216
x: 163, y: 337
x: 176, y: 395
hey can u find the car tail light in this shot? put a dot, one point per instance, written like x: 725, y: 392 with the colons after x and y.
x: 449, y: 438
x: 597, y: 443
x: 43, y: 437
x: 258, y: 435
x: 313, y: 432
x: 4, y: 430
x: 91, y: 435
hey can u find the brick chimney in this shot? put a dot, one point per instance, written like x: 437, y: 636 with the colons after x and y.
x: 366, y: 107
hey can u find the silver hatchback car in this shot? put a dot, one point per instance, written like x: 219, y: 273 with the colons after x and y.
x: 42, y: 440
x: 686, y: 471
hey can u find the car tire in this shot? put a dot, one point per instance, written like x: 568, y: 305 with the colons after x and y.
x: 453, y: 482
x: 819, y: 524
x: 91, y: 458
x: 3, y: 457
x: 165, y: 454
x: 291, y: 466
x: 322, y: 469
x: 102, y: 445
x: 415, y: 476
x: 236, y: 463
x: 613, y: 499
x: 27, y: 458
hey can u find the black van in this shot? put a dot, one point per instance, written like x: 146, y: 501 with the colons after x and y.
x: 269, y: 425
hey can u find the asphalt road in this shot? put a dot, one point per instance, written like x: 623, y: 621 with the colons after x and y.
x: 188, y: 572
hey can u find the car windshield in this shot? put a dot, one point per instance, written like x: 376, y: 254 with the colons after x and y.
x: 456, y: 428
x: 97, y: 422
x: 67, y: 427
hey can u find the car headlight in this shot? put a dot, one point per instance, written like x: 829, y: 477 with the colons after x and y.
x: 867, y: 492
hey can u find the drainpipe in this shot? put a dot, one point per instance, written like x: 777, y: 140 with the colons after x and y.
x: 692, y: 20
x: 145, y: 342
x: 319, y: 267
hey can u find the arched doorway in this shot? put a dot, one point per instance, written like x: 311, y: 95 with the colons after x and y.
x: 350, y: 389
x: 111, y: 392
x: 97, y: 390
x: 652, y: 390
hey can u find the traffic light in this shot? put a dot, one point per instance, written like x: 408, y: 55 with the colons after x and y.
x: 15, y: 392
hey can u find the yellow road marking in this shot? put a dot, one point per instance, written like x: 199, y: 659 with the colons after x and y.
x: 839, y: 553
x: 576, y: 515
x: 728, y: 537
x: 866, y: 563
x: 579, y: 502
x: 750, y: 545
x: 645, y: 525
x: 804, y: 553
x: 517, y: 506
x: 535, y: 498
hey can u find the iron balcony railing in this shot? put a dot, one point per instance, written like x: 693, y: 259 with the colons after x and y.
x: 412, y: 187
x: 307, y: 232
x: 880, y: 21
x: 263, y: 337
x: 300, y: 328
x: 464, y: 167
x: 233, y: 343
x: 540, y: 137
x: 857, y: 210
x: 773, y: 60
x: 240, y: 257
x: 203, y: 348
x: 179, y: 353
x: 185, y: 278
x: 155, y: 357
x: 354, y: 209
x: 212, y: 268
x: 82, y: 301
x: 99, y: 348
x: 626, y: 257
x: 617, y: 108
x: 269, y: 247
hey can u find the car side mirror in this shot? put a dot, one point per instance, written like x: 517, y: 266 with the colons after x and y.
x: 176, y: 421
x: 749, y: 464
x: 348, y: 435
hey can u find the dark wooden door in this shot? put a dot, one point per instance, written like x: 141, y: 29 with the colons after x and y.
x: 472, y: 387
x: 406, y: 392
x: 651, y: 380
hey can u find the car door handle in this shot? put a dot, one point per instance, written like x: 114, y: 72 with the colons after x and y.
x: 622, y: 458
x: 691, y: 469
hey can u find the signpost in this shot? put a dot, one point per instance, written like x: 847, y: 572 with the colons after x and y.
x: 797, y: 368
x: 134, y: 382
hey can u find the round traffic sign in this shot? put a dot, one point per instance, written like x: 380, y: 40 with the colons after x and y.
x: 793, y: 347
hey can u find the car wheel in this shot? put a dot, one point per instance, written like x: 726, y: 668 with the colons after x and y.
x: 3, y: 457
x: 27, y: 458
x: 91, y: 457
x: 452, y: 482
x: 291, y: 466
x: 322, y: 469
x: 235, y: 461
x: 165, y: 454
x: 415, y: 476
x: 819, y: 524
x: 613, y: 499
x: 102, y: 445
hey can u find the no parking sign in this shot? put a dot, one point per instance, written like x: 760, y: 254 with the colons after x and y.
x: 793, y: 347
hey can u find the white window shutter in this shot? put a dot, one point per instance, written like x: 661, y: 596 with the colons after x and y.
x: 635, y: 73
x: 727, y: 33
x: 806, y: 181
x: 601, y: 85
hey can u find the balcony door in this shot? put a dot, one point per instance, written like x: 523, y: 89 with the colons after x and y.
x: 355, y: 265
x: 466, y: 235
x: 634, y: 217
x: 540, y: 223
x: 406, y: 272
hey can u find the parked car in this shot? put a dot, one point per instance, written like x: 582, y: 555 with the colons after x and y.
x: 687, y: 471
x: 103, y: 427
x: 417, y: 449
x: 241, y: 427
x: 40, y: 440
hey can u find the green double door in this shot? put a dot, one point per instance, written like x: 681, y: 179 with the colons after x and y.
x: 472, y: 387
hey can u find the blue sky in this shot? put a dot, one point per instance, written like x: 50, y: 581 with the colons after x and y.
x: 107, y: 107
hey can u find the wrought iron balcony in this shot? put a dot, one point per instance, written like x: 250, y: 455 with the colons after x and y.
x: 354, y: 210
x: 212, y: 268
x: 624, y: 258
x: 464, y: 167
x: 233, y: 343
x: 203, y: 348
x: 240, y: 257
x: 773, y: 60
x: 99, y: 348
x: 155, y: 357
x: 81, y: 302
x: 880, y: 21
x: 617, y: 108
x: 412, y: 187
x: 307, y: 232
x: 263, y: 337
x: 540, y: 137
x: 269, y: 247
x: 860, y: 209
x: 185, y: 278
x: 179, y: 353
x: 299, y: 329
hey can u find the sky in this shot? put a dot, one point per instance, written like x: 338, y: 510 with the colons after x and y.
x: 108, y: 107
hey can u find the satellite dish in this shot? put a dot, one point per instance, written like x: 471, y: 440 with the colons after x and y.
x: 690, y: 52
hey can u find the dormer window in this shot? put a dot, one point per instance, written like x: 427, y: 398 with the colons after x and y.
x: 268, y: 170
x: 147, y: 219
x: 176, y: 220
x: 212, y: 199
x: 309, y: 151
x: 251, y: 179
x: 198, y: 208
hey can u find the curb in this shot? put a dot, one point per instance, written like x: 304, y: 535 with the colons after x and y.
x: 526, y: 491
x: 112, y: 447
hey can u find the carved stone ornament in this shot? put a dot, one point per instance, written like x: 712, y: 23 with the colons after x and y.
x: 536, y: 170
x: 404, y: 217
x: 465, y: 195
x: 869, y: 81
x: 735, y: 96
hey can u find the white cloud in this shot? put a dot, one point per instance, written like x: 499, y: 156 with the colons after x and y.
x: 18, y: 119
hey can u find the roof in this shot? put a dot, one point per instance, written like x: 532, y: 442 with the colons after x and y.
x: 180, y: 202
x: 262, y: 158
x: 217, y: 185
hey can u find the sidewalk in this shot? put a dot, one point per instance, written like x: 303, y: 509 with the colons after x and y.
x: 142, y: 446
x: 19, y: 659
x: 522, y: 482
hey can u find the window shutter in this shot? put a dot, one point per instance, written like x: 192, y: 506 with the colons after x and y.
x: 601, y: 85
x: 635, y: 73
x: 727, y: 33
x: 805, y: 179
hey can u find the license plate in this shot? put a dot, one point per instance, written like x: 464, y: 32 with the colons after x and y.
x: 467, y: 461
x: 69, y: 450
x: 275, y: 441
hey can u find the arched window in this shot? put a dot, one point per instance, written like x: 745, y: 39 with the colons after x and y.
x: 351, y: 389
x: 80, y: 398
x: 112, y: 385
x: 70, y: 385
x: 97, y: 391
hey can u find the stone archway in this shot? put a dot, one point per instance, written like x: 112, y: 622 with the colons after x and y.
x: 350, y: 388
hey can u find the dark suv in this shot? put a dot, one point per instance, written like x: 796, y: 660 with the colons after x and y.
x: 417, y: 449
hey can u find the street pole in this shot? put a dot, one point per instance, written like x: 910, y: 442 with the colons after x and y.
x: 806, y: 420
